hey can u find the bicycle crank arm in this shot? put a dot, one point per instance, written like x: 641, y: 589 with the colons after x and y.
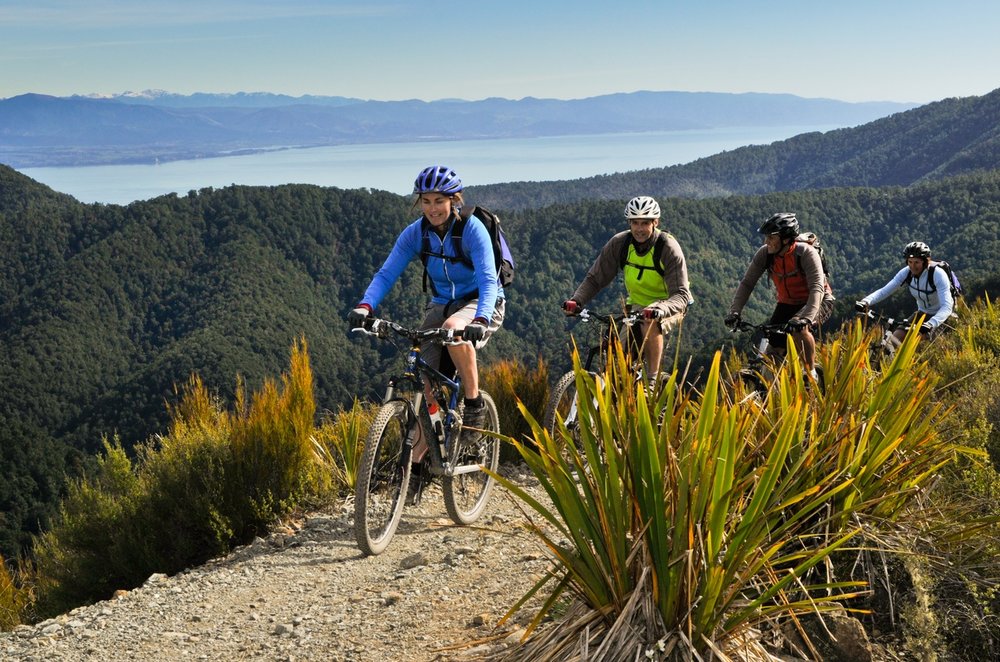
x: 449, y: 470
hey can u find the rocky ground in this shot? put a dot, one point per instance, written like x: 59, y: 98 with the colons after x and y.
x: 306, y: 593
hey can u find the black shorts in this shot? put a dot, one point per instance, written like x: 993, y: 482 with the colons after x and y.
x: 786, y: 311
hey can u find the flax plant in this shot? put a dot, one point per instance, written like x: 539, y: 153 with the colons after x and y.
x: 684, y: 520
x: 340, y: 442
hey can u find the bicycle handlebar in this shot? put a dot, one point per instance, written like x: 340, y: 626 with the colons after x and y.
x: 743, y: 325
x: 871, y: 316
x: 381, y: 328
x: 626, y: 319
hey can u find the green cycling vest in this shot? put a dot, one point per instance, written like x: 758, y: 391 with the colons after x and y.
x: 642, y: 280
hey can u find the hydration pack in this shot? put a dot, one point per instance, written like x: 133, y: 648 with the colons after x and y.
x: 956, y: 286
x: 502, y: 257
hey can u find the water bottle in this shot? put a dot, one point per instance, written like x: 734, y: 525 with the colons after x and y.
x: 437, y: 423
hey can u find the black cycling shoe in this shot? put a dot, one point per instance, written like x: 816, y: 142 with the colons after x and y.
x: 419, y: 479
x: 473, y: 417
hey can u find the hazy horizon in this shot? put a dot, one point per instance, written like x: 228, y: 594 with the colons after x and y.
x: 914, y: 52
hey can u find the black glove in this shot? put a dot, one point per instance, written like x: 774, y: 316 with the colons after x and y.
x: 732, y: 319
x: 356, y: 318
x: 861, y: 306
x: 926, y: 328
x: 475, y: 331
x: 571, y: 306
x: 797, y: 324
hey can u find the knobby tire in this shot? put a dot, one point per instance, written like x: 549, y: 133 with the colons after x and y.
x: 562, y: 404
x: 380, y: 492
x: 466, y: 495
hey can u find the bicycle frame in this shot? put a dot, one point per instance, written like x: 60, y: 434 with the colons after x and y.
x: 418, y: 372
x: 888, y: 343
x: 627, y: 321
x: 563, y: 399
x: 762, y: 358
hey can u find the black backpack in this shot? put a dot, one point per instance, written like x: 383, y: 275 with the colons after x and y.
x: 503, y: 259
x: 661, y: 241
x: 956, y: 286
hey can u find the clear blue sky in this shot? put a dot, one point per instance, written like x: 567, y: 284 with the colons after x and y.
x: 853, y: 50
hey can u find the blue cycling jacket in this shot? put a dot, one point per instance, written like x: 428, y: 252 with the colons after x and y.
x: 453, y: 280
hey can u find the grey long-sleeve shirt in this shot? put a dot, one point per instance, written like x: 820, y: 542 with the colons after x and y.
x: 607, y: 265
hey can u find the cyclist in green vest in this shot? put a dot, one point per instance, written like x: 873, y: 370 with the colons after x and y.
x: 655, y: 274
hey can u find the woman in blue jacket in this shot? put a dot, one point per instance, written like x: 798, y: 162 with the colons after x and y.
x: 463, y: 278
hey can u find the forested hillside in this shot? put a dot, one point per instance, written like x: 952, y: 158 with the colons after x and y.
x: 941, y: 139
x: 104, y: 309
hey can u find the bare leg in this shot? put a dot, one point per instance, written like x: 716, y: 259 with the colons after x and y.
x: 652, y: 348
x: 805, y: 342
x: 463, y: 355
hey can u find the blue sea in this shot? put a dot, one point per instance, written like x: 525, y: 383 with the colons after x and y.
x: 392, y: 166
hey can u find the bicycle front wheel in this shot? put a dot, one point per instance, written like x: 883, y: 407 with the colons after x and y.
x: 380, y: 491
x: 466, y: 494
x: 563, y: 405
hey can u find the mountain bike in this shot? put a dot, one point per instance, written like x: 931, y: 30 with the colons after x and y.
x: 885, y: 347
x: 407, y: 420
x: 763, y: 359
x: 563, y: 399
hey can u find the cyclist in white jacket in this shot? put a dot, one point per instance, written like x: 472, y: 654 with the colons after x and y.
x: 929, y: 286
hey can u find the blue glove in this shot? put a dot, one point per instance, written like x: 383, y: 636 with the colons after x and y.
x: 475, y: 331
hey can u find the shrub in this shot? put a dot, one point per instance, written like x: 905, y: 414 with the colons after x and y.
x: 510, y: 382
x: 15, y: 598
x: 215, y: 480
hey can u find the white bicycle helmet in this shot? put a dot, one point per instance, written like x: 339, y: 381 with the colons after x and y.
x: 642, y: 206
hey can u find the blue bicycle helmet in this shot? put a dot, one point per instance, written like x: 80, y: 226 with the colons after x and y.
x: 437, y: 179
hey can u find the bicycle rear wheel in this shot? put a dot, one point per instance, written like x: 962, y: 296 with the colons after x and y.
x: 380, y: 491
x: 466, y: 494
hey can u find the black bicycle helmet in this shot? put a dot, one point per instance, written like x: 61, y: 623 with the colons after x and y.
x: 783, y: 224
x: 437, y: 179
x: 917, y: 249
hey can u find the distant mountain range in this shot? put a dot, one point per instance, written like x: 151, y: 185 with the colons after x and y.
x: 937, y: 140
x: 38, y: 130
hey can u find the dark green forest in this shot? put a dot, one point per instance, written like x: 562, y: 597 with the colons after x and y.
x: 106, y: 309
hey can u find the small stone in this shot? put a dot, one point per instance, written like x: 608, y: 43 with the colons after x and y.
x: 413, y: 561
x: 282, y: 629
